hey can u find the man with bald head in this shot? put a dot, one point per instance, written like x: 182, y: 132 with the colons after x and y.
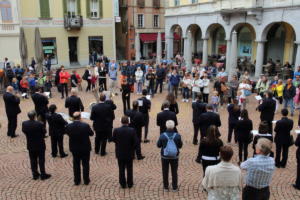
x: 12, y: 109
x: 74, y: 103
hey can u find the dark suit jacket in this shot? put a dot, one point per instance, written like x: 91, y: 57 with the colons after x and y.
x: 79, y: 137
x: 207, y: 119
x: 283, y: 129
x: 297, y: 143
x: 11, y: 104
x: 267, y: 109
x: 126, y: 142
x: 74, y: 104
x: 102, y: 116
x: 35, y: 134
x: 146, y: 105
x: 233, y: 115
x: 41, y: 103
x: 163, y: 117
x: 198, y: 108
x: 136, y: 119
x: 57, y: 124
x: 243, y: 129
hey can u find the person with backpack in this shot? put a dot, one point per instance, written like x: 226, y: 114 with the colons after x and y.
x: 170, y: 142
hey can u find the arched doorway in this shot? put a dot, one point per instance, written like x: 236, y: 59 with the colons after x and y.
x: 196, y: 40
x: 176, y: 33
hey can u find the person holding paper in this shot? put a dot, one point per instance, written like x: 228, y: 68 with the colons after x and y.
x: 267, y: 110
x: 41, y: 104
x: 283, y: 129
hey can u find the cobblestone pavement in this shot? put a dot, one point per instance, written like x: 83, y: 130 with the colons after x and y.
x: 16, y: 181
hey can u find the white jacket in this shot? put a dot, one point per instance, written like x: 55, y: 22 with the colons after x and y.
x: 138, y: 75
x: 205, y: 86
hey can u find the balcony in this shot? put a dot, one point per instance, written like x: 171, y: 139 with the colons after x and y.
x: 9, y: 29
x: 73, y: 22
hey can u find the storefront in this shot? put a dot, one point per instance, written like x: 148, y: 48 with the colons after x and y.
x: 50, y: 48
x: 148, y: 44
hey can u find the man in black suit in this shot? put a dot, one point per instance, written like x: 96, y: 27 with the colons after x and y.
x: 41, y: 105
x: 35, y: 133
x: 164, y: 116
x: 113, y: 106
x: 136, y: 122
x: 126, y: 141
x: 12, y: 109
x: 207, y: 119
x: 283, y: 129
x: 80, y: 145
x: 198, y: 108
x: 102, y: 70
x: 57, y: 126
x: 145, y: 107
x: 74, y: 103
x: 297, y: 182
x: 267, y: 110
x: 102, y: 116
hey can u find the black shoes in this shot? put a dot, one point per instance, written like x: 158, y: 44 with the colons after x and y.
x: 14, y: 136
x: 296, y: 187
x: 146, y: 141
x: 87, y: 182
x: 36, y: 177
x: 195, y: 142
x: 77, y: 183
x: 103, y: 154
x: 45, y: 176
x: 141, y: 157
x: 64, y: 155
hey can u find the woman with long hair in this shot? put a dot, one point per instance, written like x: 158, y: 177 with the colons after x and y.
x: 243, y: 130
x: 173, y: 104
x: 209, y: 148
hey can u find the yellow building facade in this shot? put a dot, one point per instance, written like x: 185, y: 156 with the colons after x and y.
x: 71, y: 30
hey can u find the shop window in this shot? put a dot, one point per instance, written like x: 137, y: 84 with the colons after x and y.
x: 49, y: 48
x: 96, y: 45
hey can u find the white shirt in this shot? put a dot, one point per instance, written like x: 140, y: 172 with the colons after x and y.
x: 138, y: 75
x: 242, y: 88
x: 196, y: 85
x: 205, y: 82
x: 187, y: 82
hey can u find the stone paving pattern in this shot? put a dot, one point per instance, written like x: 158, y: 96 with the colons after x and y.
x: 15, y: 175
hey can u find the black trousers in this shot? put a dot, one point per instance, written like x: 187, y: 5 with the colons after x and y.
x: 298, y: 174
x: 125, y: 165
x: 284, y: 149
x: 205, y: 98
x: 37, y: 158
x: 270, y: 125
x: 250, y: 193
x: 126, y: 101
x: 173, y: 163
x: 89, y: 84
x: 57, y: 140
x: 81, y: 158
x: 159, y: 82
x: 102, y: 84
x: 231, y: 128
x: 138, y: 149
x: 64, y: 89
x: 146, y: 118
x: 101, y: 140
x: 196, y: 132
x: 243, y: 148
x: 12, y: 125
x: 206, y: 163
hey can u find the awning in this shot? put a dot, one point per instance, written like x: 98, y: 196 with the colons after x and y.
x: 152, y: 37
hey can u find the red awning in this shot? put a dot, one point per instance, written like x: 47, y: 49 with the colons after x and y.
x: 151, y: 37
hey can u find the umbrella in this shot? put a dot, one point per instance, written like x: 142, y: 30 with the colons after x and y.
x: 158, y: 48
x: 39, y: 54
x: 23, y: 48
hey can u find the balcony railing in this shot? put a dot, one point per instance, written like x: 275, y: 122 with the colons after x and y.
x: 8, y: 27
x: 73, y: 22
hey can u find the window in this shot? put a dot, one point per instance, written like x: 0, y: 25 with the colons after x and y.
x: 71, y: 6
x: 141, y: 3
x: 44, y: 9
x: 155, y: 21
x: 49, y: 48
x: 177, y: 2
x: 194, y: 1
x: 94, y: 8
x: 156, y: 3
x: 96, y: 44
x: 140, y: 20
x: 6, y: 12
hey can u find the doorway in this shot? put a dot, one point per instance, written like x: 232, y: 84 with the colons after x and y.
x: 73, y: 50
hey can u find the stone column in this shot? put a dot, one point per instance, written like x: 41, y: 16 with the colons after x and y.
x: 228, y: 50
x: 185, y: 49
x: 259, y: 58
x: 158, y: 48
x: 189, y: 56
x: 205, y: 53
x: 170, y: 50
x: 297, y: 61
x: 137, y: 46
x: 233, y: 55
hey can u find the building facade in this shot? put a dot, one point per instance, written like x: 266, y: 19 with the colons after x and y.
x: 71, y: 30
x: 258, y: 30
x: 142, y: 19
x: 9, y: 31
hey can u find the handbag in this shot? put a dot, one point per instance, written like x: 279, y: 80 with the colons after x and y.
x: 291, y: 142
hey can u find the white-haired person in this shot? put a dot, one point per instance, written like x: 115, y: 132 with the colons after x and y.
x: 170, y: 142
x: 223, y: 181
x: 260, y: 170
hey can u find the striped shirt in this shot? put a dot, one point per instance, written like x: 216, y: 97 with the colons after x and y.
x: 259, y: 171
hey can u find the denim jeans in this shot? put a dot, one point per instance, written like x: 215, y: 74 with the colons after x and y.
x: 194, y: 95
x: 186, y: 93
x: 139, y: 86
x: 289, y: 103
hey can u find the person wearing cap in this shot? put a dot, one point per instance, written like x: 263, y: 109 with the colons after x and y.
x: 80, y: 145
x: 259, y: 174
x: 35, y: 133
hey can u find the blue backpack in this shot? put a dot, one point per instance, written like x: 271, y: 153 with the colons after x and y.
x: 171, y: 149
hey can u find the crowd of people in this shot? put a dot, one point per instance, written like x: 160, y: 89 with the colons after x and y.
x: 109, y: 78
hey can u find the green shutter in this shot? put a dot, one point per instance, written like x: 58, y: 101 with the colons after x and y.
x: 88, y: 9
x: 78, y: 7
x: 44, y: 9
x: 65, y: 7
x: 100, y: 8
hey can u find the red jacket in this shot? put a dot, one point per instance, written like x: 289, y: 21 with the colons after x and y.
x: 63, y: 77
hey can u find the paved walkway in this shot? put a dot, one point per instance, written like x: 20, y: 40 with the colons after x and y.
x: 16, y: 181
